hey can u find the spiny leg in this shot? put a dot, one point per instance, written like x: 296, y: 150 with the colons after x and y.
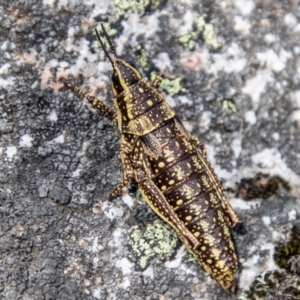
x: 156, y: 200
x: 128, y: 175
x: 231, y: 216
x: 93, y: 100
x: 198, y: 144
x: 233, y: 219
x: 157, y: 80
x: 118, y: 189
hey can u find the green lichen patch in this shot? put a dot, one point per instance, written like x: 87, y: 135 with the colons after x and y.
x: 204, y: 30
x: 273, y: 285
x: 287, y: 255
x: 142, y: 6
x: 228, y: 104
x: 143, y: 58
x: 171, y: 86
x: 261, y: 186
x: 157, y: 240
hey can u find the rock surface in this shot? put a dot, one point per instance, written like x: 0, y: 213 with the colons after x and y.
x: 233, y: 76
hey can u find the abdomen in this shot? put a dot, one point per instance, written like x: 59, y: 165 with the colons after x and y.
x: 191, y: 188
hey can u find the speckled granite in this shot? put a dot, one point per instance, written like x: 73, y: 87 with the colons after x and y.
x: 232, y: 73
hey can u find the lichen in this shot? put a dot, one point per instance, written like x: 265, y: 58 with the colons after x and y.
x: 204, y: 30
x: 157, y: 240
x: 273, y: 285
x: 260, y: 186
x: 171, y: 86
x: 287, y: 255
x: 141, y: 6
x: 142, y: 58
x: 284, y: 284
x: 228, y: 104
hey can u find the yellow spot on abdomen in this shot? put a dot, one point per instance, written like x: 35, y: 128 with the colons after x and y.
x: 179, y: 202
x: 161, y: 164
x: 209, y: 261
x: 188, y: 218
x: 163, y: 188
x: 149, y: 102
x: 220, y: 264
x: 196, y: 234
x: 141, y: 90
x: 216, y: 253
x: 203, y: 248
x: 171, y: 182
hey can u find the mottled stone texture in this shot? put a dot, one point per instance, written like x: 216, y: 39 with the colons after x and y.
x: 232, y: 73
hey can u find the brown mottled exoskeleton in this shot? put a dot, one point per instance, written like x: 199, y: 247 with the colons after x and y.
x: 171, y: 169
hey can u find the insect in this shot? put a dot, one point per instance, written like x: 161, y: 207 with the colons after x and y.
x: 170, y: 167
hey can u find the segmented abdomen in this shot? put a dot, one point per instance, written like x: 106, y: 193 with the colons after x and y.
x: 190, y: 186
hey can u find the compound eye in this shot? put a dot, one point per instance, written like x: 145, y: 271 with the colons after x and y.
x: 130, y: 63
x: 116, y: 82
x: 114, y: 77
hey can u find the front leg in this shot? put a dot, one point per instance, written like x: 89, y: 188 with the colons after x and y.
x: 157, y: 80
x: 93, y: 100
x: 127, y: 145
x: 128, y: 176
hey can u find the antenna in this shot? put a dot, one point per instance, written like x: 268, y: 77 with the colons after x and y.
x: 112, y: 48
x: 102, y: 46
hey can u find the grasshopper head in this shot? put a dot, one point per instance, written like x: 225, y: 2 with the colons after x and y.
x: 140, y: 109
x: 124, y: 76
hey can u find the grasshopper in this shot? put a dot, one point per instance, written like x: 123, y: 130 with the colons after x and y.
x: 170, y: 167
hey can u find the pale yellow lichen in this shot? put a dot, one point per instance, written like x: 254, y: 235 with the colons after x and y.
x: 157, y: 240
